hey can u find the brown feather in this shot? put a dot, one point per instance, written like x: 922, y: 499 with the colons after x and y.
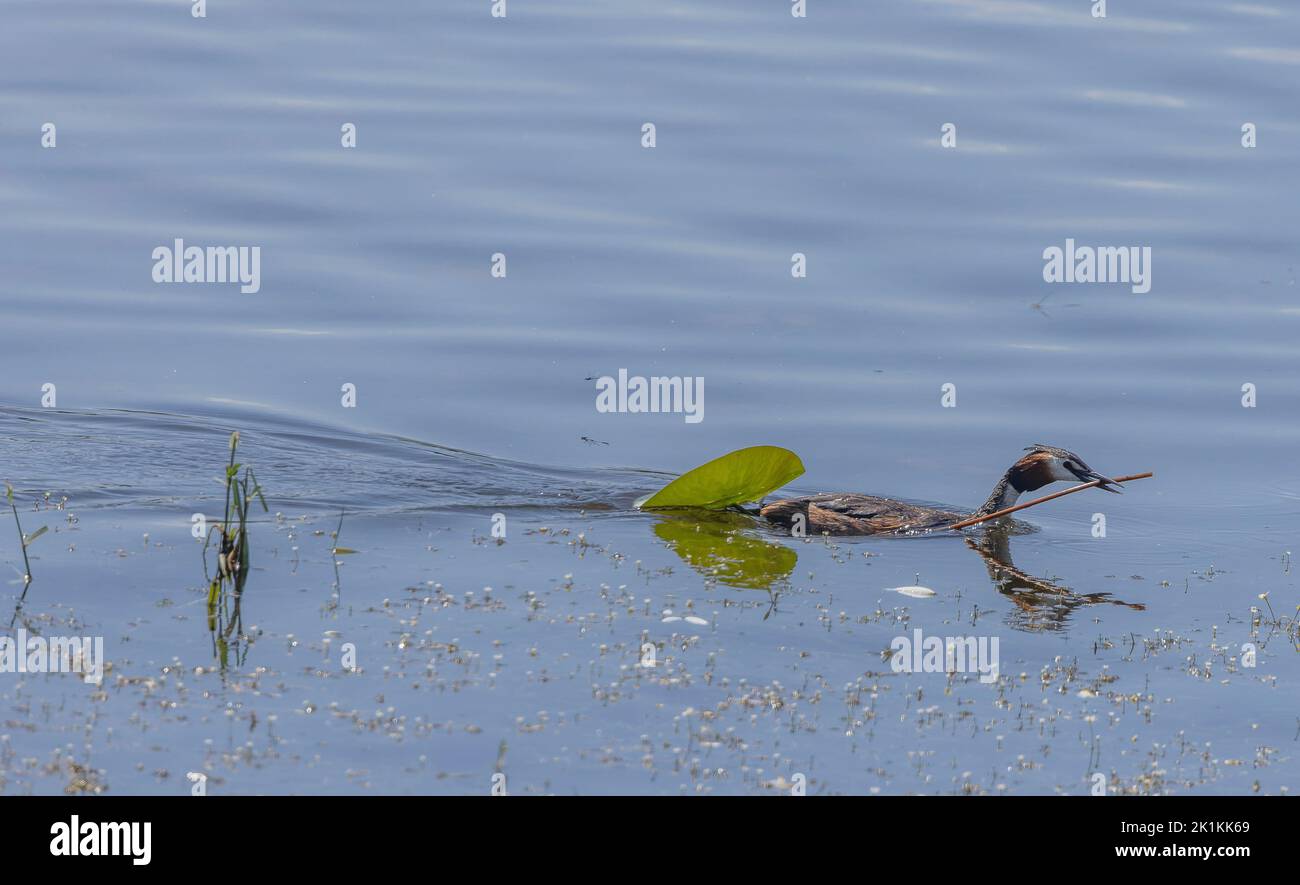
x: 1032, y: 471
x: 847, y: 514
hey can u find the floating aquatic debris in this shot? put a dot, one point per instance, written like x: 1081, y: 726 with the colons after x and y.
x: 670, y: 618
x: 913, y: 590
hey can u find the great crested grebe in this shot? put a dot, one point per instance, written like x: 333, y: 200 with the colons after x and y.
x: 849, y: 514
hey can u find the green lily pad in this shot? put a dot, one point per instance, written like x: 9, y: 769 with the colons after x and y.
x: 736, y: 478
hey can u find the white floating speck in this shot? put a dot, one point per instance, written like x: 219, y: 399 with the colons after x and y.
x: 692, y: 619
x: 914, y: 591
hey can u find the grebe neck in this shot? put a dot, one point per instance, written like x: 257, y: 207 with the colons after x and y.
x: 1004, y: 494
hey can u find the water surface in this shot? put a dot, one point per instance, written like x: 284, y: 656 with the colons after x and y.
x: 522, y: 136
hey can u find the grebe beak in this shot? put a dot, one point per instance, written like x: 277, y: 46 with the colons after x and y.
x: 1089, y: 475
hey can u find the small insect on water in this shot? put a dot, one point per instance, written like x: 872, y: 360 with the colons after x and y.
x: 1040, y: 306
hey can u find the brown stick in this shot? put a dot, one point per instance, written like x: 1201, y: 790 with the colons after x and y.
x: 1071, y: 490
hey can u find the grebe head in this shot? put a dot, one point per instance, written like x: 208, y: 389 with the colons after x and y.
x: 1048, y: 464
x: 1043, y: 465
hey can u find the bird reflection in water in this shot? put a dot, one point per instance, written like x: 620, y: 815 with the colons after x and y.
x: 722, y: 546
x: 1043, y: 604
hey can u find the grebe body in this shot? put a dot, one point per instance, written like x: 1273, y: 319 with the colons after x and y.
x: 852, y: 514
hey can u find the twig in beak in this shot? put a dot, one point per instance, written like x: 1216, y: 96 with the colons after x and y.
x: 1071, y: 490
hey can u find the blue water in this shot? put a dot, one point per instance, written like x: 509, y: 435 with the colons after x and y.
x: 523, y: 136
